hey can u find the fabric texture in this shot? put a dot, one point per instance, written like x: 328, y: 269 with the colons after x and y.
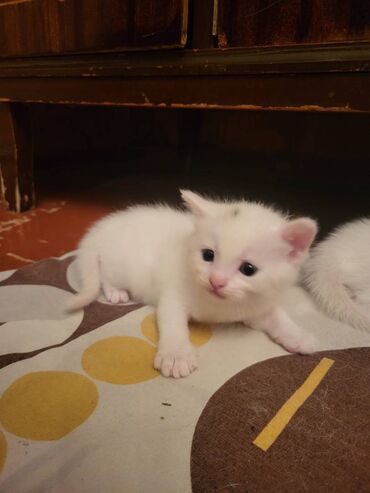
x: 83, y: 410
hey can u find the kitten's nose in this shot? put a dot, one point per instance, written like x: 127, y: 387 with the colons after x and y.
x: 217, y: 282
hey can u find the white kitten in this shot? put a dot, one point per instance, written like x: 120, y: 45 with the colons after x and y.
x: 338, y: 274
x: 220, y: 262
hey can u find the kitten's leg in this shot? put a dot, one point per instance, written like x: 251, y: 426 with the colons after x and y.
x: 175, y: 355
x: 115, y: 295
x: 281, y: 328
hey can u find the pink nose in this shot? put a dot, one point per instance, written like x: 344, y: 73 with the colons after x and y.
x: 217, y: 282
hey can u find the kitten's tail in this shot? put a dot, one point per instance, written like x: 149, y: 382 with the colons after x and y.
x: 333, y: 297
x: 88, y: 262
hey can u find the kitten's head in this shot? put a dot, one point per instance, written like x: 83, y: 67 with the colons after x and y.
x: 243, y: 248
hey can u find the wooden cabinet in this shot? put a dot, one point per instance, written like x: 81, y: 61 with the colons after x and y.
x: 270, y: 55
x: 41, y: 27
x: 253, y: 23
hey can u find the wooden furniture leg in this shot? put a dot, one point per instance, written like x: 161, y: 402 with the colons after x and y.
x: 16, y: 157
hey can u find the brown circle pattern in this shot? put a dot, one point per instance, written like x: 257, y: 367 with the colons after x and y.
x: 324, y: 448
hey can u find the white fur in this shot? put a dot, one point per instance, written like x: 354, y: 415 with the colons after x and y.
x: 338, y: 274
x: 154, y: 255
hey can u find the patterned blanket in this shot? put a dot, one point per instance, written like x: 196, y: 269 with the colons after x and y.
x: 83, y: 410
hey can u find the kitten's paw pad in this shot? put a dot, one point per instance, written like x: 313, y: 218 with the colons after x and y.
x: 176, y: 364
x: 303, y: 344
x: 115, y: 296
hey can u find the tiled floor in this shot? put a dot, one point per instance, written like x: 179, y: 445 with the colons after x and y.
x: 71, y: 197
x: 53, y: 228
x: 67, y: 203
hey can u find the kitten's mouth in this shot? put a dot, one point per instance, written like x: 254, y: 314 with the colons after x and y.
x: 217, y: 293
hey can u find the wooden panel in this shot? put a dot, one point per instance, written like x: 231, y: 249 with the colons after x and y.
x: 16, y: 157
x: 350, y: 57
x: 302, y: 92
x: 280, y: 22
x: 201, y: 29
x: 58, y: 26
x: 290, y: 78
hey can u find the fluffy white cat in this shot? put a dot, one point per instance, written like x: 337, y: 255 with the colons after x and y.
x: 217, y: 262
x: 338, y: 274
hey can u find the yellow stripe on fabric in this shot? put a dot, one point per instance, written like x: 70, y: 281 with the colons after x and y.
x: 277, y: 424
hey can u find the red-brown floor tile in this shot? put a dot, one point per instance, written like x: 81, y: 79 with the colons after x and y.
x: 51, y: 229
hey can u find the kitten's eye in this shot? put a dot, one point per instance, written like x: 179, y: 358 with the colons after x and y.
x: 208, y: 255
x: 248, y: 269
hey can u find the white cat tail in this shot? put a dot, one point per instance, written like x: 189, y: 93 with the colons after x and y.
x: 332, y: 296
x: 88, y: 264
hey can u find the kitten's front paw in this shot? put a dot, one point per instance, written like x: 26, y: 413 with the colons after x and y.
x: 114, y: 295
x: 177, y: 363
x: 303, y: 343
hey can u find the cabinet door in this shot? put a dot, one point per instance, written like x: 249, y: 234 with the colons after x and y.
x: 33, y: 27
x: 282, y: 22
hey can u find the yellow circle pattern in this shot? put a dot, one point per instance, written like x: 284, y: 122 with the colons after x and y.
x: 199, y: 333
x: 2, y: 450
x: 120, y: 360
x: 47, y: 405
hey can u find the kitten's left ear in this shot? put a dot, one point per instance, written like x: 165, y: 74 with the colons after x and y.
x: 299, y: 233
x: 196, y: 204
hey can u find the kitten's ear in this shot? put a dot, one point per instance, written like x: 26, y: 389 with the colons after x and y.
x: 299, y: 233
x: 196, y: 204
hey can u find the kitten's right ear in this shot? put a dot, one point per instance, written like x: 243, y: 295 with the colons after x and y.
x: 299, y: 234
x: 196, y: 204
